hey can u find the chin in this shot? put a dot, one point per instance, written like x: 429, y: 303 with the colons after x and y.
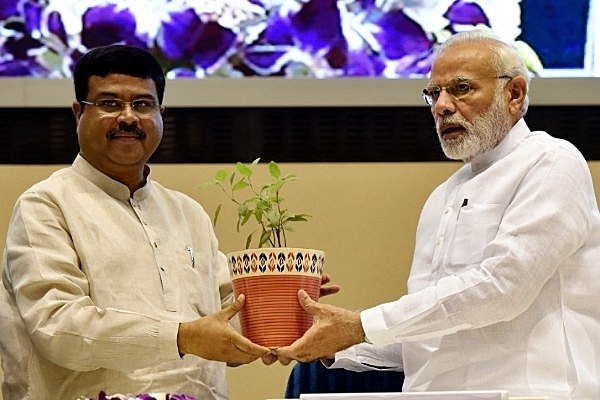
x: 456, y: 153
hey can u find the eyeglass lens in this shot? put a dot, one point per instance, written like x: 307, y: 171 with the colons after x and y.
x: 111, y: 106
x: 456, y: 88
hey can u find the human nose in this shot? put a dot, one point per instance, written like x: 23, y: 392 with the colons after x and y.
x: 127, y: 113
x: 444, y: 104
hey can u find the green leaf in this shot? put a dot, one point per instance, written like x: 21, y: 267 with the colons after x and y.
x: 264, y: 237
x: 299, y: 217
x: 273, y: 217
x: 243, y: 169
x: 209, y: 184
x: 263, y: 205
x: 246, y: 217
x: 274, y: 169
x: 249, y: 240
x: 289, y: 178
x: 276, y: 187
x: 242, y: 184
x: 217, y: 212
x: 221, y: 175
x: 242, y: 210
x: 258, y: 213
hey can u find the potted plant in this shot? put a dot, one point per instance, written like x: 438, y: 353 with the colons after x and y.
x: 263, y: 203
x: 269, y: 274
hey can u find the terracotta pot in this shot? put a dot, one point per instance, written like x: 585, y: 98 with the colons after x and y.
x: 270, y: 279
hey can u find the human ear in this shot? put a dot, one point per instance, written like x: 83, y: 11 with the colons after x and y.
x: 517, y: 89
x: 77, y: 110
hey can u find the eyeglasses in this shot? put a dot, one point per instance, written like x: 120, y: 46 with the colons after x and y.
x: 458, y: 87
x: 117, y: 106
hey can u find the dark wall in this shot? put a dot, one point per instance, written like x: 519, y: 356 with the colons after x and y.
x: 226, y: 135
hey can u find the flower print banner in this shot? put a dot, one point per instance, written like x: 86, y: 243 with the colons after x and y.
x: 238, y: 38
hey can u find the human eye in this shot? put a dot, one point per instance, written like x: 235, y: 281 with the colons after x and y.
x: 460, y: 88
x: 143, y: 105
x: 110, y: 105
x: 433, y: 92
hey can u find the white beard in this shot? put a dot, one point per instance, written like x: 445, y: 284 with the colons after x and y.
x: 480, y: 135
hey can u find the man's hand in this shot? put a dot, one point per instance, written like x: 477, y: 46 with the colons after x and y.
x: 213, y: 338
x: 327, y: 290
x: 335, y: 329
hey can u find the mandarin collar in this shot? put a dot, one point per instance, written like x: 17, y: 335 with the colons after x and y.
x: 112, y: 187
x: 516, y: 134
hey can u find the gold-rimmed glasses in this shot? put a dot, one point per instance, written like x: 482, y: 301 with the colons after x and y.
x: 458, y: 87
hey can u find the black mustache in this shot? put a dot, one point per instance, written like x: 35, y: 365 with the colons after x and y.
x: 127, y: 129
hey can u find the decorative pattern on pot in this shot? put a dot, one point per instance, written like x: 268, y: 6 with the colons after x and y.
x: 275, y: 260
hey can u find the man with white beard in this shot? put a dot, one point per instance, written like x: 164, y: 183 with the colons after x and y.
x: 504, y: 287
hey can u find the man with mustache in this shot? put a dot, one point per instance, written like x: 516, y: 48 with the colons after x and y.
x: 110, y: 281
x: 504, y: 288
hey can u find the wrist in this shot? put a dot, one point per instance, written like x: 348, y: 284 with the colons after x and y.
x: 181, y: 339
x: 363, y: 335
x: 365, y: 339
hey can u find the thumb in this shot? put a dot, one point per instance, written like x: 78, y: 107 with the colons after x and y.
x: 305, y: 300
x: 235, y: 307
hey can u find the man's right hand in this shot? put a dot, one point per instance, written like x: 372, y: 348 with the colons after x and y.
x: 334, y: 329
x: 213, y: 338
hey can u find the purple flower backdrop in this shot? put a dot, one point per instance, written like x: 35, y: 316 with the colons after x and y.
x: 237, y: 38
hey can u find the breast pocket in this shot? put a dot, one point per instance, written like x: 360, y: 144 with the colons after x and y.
x: 198, y: 281
x: 476, y: 226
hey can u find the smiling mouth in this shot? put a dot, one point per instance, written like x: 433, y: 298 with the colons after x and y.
x: 126, y: 136
x: 133, y: 133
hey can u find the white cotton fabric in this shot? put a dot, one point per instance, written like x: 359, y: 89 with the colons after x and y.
x: 503, y: 293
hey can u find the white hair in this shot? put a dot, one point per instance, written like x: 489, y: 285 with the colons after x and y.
x: 505, y: 59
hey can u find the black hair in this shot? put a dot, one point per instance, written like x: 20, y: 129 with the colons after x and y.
x: 117, y: 59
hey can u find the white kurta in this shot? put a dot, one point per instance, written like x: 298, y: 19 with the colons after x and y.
x: 504, y: 289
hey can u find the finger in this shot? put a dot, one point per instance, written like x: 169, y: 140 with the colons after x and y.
x: 325, y: 279
x: 282, y: 356
x: 305, y: 301
x: 247, y: 346
x: 243, y: 358
x: 235, y: 307
x: 269, y: 359
x: 328, y: 290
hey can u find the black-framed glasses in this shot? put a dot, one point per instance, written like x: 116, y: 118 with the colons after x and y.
x: 458, y: 87
x: 117, y: 106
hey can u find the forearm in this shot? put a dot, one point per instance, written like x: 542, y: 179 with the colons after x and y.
x: 367, y: 357
x: 112, y: 339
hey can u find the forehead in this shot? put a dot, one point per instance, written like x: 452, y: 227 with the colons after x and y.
x: 465, y: 59
x: 120, y: 84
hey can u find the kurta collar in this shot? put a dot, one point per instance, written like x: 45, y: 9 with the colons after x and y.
x: 517, y: 133
x: 110, y: 186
